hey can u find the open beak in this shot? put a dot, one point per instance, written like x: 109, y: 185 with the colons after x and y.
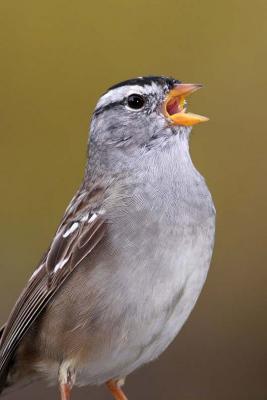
x: 174, y: 106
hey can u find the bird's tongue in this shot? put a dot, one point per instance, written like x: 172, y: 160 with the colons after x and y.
x: 175, y: 105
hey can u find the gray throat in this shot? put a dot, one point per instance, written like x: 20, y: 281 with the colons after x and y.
x: 161, y: 177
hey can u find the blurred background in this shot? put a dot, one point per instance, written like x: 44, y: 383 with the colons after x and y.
x: 57, y: 57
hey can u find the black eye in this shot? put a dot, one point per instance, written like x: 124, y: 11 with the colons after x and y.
x: 135, y: 101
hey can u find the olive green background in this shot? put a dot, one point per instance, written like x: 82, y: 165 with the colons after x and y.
x: 57, y: 57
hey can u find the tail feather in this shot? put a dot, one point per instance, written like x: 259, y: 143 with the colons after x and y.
x: 1, y: 331
x: 3, y: 374
x: 13, y: 378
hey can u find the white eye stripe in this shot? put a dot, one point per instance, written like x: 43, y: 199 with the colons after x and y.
x: 120, y: 93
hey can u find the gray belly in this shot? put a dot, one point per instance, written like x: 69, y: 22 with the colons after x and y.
x: 128, y: 302
x: 151, y: 292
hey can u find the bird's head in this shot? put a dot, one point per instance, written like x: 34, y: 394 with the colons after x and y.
x: 137, y: 115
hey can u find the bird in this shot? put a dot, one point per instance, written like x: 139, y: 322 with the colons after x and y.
x: 131, y: 253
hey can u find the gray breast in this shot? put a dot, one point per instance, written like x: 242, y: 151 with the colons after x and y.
x: 149, y: 271
x: 156, y: 259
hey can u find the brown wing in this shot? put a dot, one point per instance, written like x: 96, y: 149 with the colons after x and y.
x: 2, y: 330
x: 80, y: 231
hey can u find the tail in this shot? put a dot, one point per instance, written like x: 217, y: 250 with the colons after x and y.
x: 4, y: 374
x: 13, y: 378
x: 1, y: 331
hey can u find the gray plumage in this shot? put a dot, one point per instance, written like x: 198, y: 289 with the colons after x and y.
x: 130, y: 257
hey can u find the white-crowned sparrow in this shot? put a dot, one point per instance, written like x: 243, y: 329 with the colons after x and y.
x: 131, y: 254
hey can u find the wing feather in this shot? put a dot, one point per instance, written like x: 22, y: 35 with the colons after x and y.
x: 72, y: 243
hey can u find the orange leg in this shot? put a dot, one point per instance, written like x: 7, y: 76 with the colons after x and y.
x: 114, y: 387
x: 65, y: 390
x: 66, y: 378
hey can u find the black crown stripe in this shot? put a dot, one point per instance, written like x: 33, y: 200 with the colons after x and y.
x: 147, y: 80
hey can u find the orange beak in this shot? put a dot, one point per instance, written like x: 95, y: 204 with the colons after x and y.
x: 174, y: 105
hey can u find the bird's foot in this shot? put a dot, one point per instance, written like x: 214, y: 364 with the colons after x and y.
x: 65, y: 391
x: 66, y: 375
x: 114, y: 387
